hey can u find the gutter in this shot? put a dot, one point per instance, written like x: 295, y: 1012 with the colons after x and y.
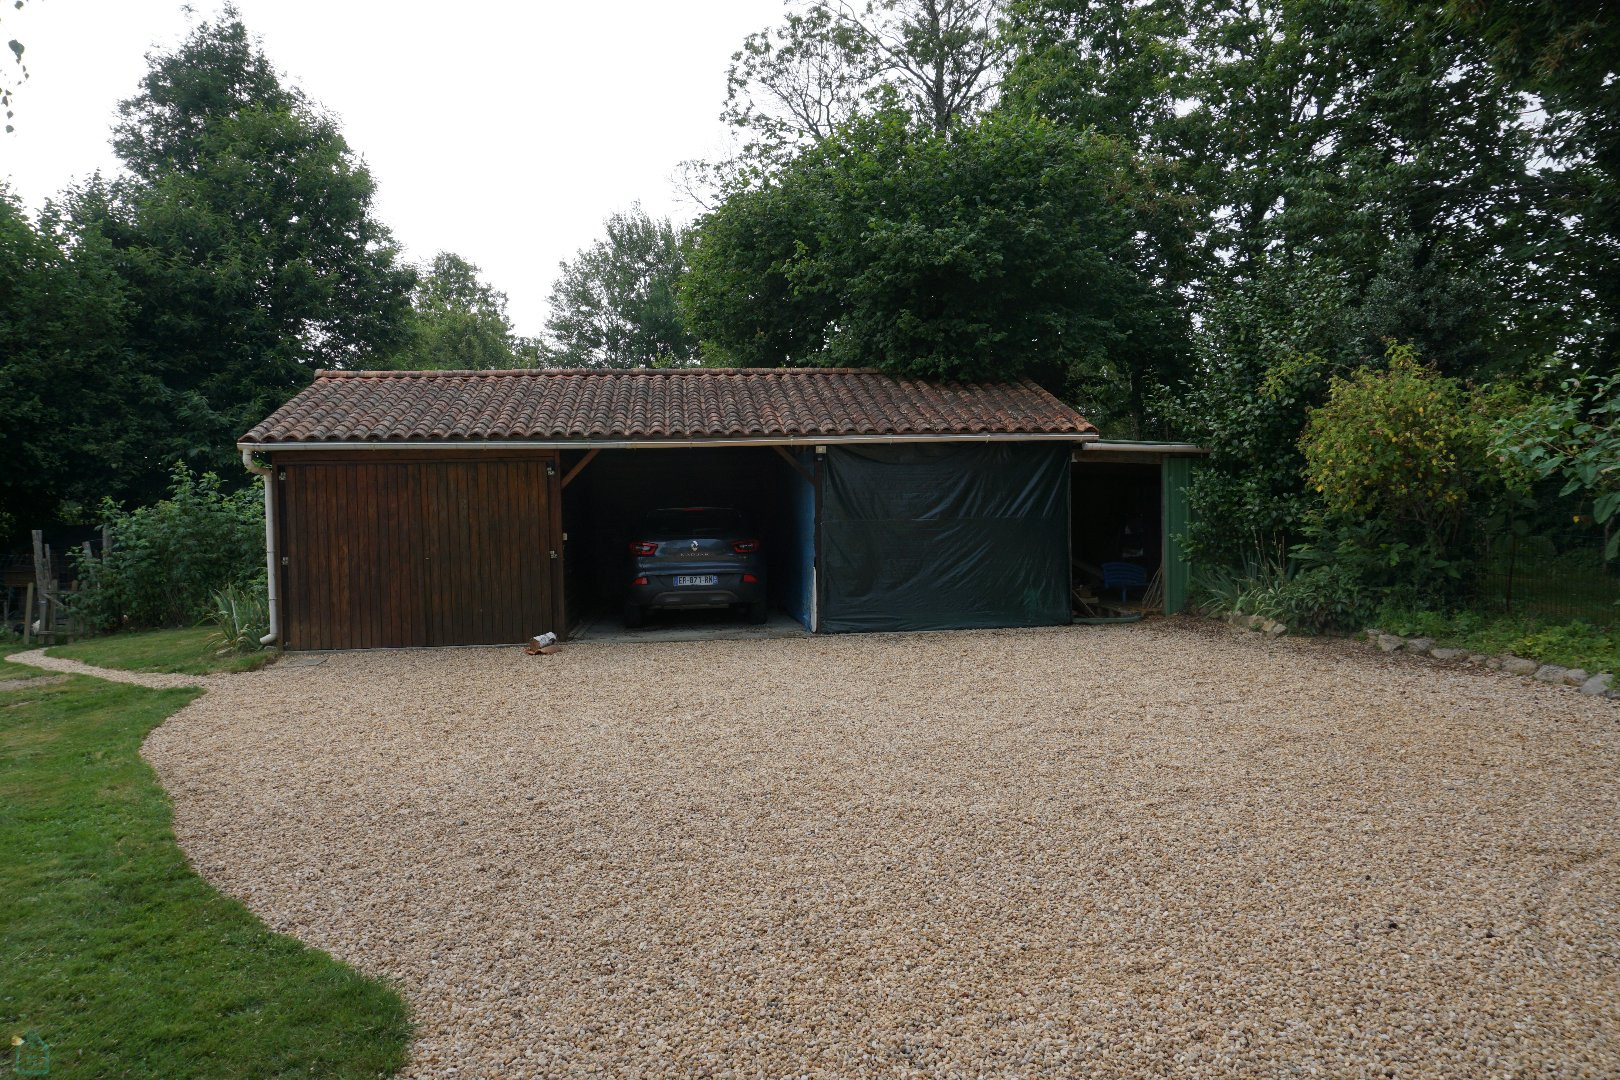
x: 269, y: 476
x: 1126, y: 446
x: 249, y: 448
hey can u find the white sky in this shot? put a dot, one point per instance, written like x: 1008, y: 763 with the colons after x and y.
x: 505, y: 132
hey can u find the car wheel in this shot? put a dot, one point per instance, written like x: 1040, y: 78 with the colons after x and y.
x: 634, y: 615
x: 757, y: 612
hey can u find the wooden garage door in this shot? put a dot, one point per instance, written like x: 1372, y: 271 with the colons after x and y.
x: 403, y: 553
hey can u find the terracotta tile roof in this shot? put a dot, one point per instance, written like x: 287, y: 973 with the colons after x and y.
x: 577, y: 404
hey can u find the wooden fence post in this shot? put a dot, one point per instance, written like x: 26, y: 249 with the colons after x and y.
x: 52, y: 599
x: 28, y: 613
x: 42, y: 577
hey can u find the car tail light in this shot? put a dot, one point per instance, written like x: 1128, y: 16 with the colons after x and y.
x: 643, y: 547
x: 639, y: 581
x: 745, y: 547
x: 750, y: 579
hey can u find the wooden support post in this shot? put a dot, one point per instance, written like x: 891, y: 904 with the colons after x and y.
x: 28, y: 613
x: 106, y: 541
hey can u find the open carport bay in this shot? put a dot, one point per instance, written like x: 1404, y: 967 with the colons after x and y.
x: 609, y: 497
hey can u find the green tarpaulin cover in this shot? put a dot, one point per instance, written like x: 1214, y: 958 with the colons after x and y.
x: 945, y: 536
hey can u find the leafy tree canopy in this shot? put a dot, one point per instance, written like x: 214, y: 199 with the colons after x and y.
x: 81, y: 415
x: 245, y: 237
x: 459, y: 321
x: 1563, y: 52
x: 1006, y: 248
x: 832, y: 60
x: 614, y: 304
x: 1322, y: 130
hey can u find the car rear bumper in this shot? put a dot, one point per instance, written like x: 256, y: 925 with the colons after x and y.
x: 729, y: 590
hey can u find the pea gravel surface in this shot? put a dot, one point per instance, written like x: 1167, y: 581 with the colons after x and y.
x: 1167, y: 849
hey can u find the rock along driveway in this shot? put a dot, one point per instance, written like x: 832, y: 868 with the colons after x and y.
x: 1164, y: 849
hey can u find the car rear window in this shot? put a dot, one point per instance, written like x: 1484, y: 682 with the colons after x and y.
x: 697, y: 521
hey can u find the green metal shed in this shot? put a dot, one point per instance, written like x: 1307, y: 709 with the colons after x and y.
x: 1130, y: 500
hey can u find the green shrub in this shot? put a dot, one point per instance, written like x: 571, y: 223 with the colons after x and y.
x: 1219, y: 589
x: 240, y: 616
x: 167, y: 560
x: 1315, y: 599
x: 1321, y: 599
x: 1576, y: 644
x: 1574, y: 436
x: 1400, y: 457
x: 1411, y: 571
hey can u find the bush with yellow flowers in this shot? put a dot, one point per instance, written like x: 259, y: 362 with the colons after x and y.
x: 1400, y: 458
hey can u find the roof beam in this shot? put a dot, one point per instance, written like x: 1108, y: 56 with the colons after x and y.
x: 793, y: 461
x: 580, y: 466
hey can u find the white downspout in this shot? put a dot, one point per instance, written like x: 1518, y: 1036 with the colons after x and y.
x: 269, y: 476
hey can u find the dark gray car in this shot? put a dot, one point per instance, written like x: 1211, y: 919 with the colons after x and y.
x: 695, y: 557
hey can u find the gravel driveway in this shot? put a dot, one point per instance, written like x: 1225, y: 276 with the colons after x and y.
x: 1162, y: 849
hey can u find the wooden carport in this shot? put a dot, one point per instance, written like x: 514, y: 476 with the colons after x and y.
x: 425, y: 508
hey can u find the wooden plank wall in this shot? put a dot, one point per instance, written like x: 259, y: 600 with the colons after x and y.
x: 395, y: 552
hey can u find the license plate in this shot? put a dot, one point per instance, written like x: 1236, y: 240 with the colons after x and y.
x: 697, y: 579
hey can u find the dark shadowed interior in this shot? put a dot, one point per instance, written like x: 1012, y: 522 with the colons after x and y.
x: 1117, y: 517
x: 607, y: 502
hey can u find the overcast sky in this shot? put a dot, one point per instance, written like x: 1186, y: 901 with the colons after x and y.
x: 503, y: 131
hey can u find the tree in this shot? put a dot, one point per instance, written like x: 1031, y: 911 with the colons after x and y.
x: 245, y: 237
x: 458, y: 321
x: 7, y: 91
x: 1004, y: 249
x: 1319, y: 130
x: 1563, y: 52
x: 614, y: 304
x: 1119, y: 68
x: 832, y: 60
x: 81, y: 415
x: 1261, y: 359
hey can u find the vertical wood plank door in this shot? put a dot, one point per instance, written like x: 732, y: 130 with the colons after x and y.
x: 396, y: 554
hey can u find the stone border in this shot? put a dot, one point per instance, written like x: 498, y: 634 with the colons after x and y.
x: 1600, y: 684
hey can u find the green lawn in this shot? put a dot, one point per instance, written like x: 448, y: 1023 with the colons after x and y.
x: 125, y: 961
x: 186, y: 652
